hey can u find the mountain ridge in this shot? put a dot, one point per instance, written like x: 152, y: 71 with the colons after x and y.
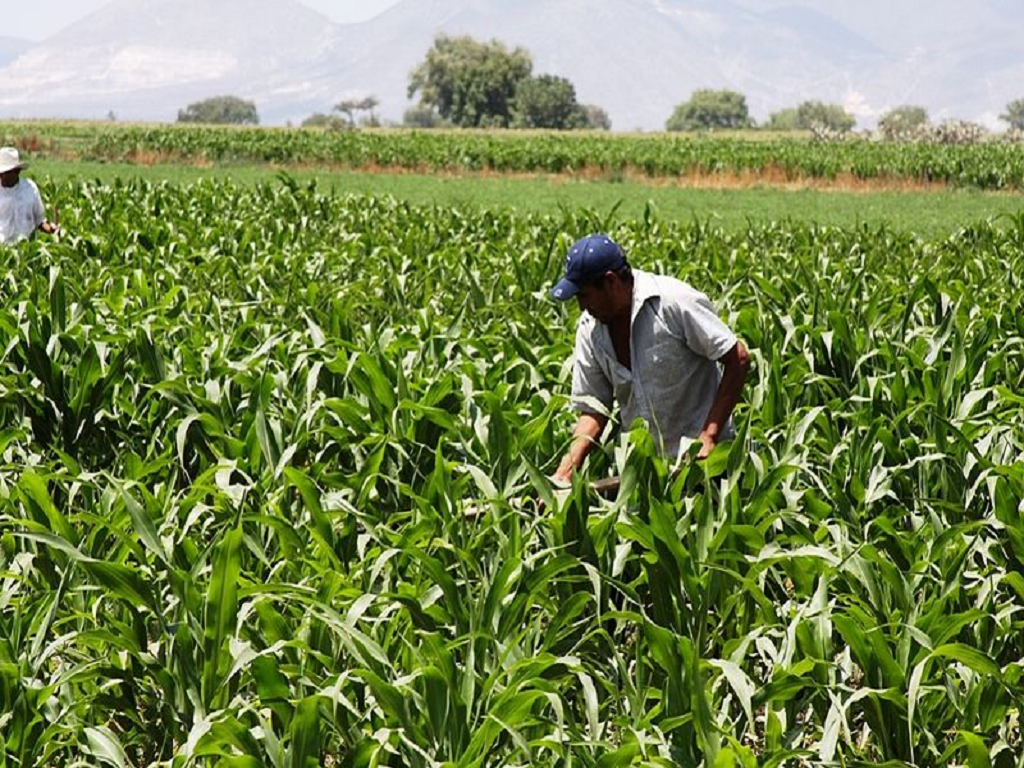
x: 637, y: 59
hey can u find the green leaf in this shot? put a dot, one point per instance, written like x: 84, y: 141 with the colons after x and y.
x: 144, y: 526
x: 977, y: 751
x: 122, y: 581
x: 105, y: 746
x: 221, y: 611
x: 37, y: 496
x: 305, y: 734
x: 970, y: 657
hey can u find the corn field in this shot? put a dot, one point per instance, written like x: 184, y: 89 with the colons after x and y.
x: 273, y: 492
x: 952, y: 156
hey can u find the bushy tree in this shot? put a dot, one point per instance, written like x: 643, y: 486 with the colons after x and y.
x: 783, y: 120
x: 469, y: 83
x: 547, y: 101
x: 1014, y: 115
x: 220, y: 109
x: 811, y: 114
x: 349, y: 108
x: 902, y: 121
x: 327, y: 122
x: 710, y: 110
x: 832, y: 116
x: 597, y: 118
x: 419, y: 116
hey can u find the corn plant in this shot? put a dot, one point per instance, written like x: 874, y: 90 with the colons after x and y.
x: 273, y: 492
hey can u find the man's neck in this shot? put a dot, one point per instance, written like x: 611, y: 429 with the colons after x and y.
x: 624, y: 317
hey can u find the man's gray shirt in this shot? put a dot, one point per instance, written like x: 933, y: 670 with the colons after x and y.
x: 675, y: 338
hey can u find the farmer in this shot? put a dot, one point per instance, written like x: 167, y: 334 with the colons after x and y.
x: 21, y: 207
x: 653, y: 344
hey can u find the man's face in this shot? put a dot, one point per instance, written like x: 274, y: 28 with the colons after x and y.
x: 598, y: 299
x: 10, y: 178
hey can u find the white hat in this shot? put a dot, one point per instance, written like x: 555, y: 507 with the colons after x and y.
x: 10, y: 160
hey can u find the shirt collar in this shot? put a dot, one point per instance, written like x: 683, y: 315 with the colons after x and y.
x: 645, y: 288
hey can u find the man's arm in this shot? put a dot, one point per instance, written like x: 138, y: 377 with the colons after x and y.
x: 39, y: 212
x: 588, y: 429
x: 735, y: 364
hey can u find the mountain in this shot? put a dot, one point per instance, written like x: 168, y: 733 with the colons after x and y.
x: 145, y: 59
x: 635, y: 58
x: 960, y: 60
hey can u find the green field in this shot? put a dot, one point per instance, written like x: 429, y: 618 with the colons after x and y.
x: 927, y: 214
x: 989, y: 165
x: 273, y: 480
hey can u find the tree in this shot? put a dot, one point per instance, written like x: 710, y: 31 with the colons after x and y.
x: 832, y: 116
x: 327, y: 122
x: 469, y: 83
x: 902, y: 121
x: 349, y: 107
x: 597, y: 118
x: 220, y: 109
x: 547, y: 101
x: 783, y: 120
x: 1015, y: 114
x: 710, y: 110
x: 810, y: 114
x: 419, y: 116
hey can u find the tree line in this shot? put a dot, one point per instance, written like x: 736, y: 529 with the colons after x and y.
x: 709, y: 110
x: 466, y: 83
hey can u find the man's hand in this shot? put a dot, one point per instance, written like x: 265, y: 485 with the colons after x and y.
x: 49, y: 228
x: 735, y: 364
x: 588, y: 428
x: 563, y: 475
x: 560, y: 481
x: 707, y: 445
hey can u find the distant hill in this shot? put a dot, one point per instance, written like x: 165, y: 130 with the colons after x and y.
x: 637, y: 59
x: 145, y: 59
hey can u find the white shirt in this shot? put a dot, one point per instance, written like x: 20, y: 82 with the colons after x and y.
x: 21, y: 211
x: 675, y: 338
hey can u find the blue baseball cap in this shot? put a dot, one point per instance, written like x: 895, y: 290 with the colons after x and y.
x: 588, y: 259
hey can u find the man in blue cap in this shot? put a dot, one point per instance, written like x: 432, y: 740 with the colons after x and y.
x: 654, y: 345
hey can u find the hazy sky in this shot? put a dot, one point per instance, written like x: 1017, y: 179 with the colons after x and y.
x: 38, y: 19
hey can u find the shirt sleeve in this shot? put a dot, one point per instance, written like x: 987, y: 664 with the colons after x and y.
x: 692, y: 315
x: 38, y: 212
x: 592, y: 391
